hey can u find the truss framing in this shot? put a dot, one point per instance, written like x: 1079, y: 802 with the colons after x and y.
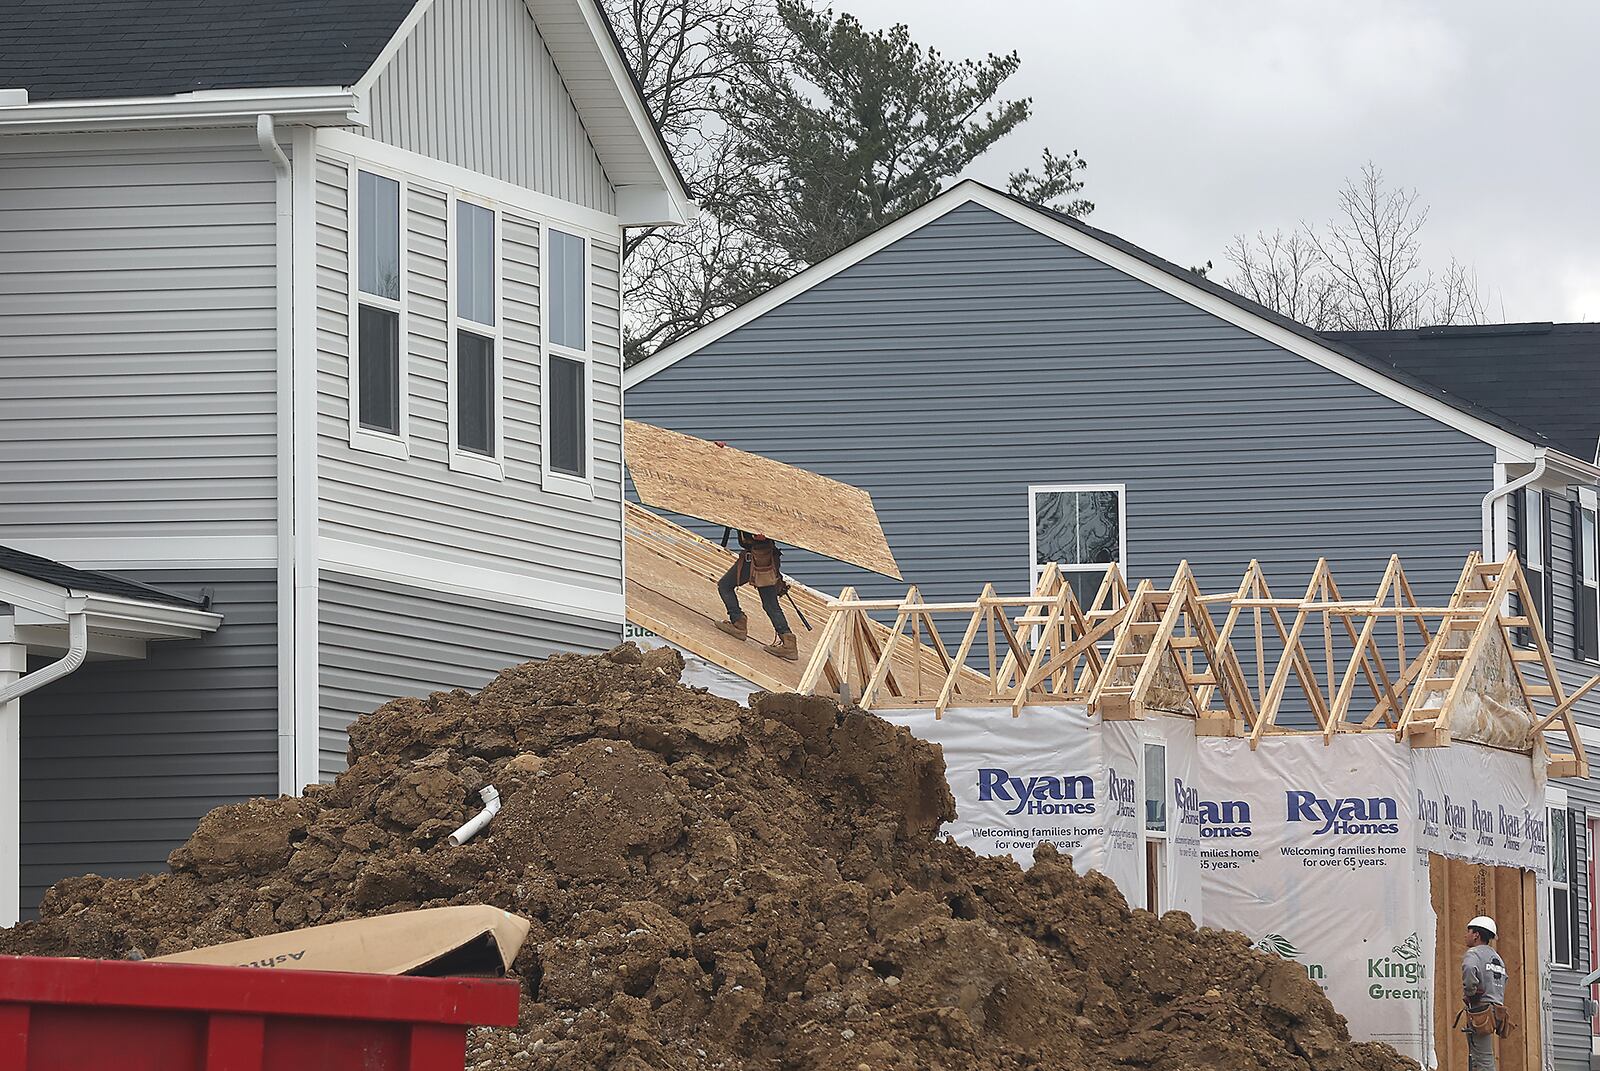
x: 1242, y: 663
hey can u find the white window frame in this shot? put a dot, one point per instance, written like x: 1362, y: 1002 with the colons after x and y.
x: 1556, y: 800
x: 490, y: 467
x: 560, y: 482
x: 1035, y: 570
x: 1163, y: 880
x: 361, y: 438
x: 1588, y: 559
x: 1533, y: 529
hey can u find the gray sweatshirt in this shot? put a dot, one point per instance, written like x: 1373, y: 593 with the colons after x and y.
x: 1483, y: 976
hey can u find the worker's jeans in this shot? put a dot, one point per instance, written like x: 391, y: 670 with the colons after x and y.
x: 1480, y: 1052
x: 769, y: 601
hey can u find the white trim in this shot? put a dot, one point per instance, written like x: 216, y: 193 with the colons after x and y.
x: 1035, y: 489
x: 372, y: 440
x: 365, y: 83
x: 307, y: 727
x: 305, y: 105
x: 155, y: 552
x: 970, y: 192
x: 470, y: 581
x: 565, y: 483
x: 490, y: 466
x: 448, y: 176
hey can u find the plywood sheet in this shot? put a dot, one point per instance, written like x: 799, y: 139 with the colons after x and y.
x: 720, y: 484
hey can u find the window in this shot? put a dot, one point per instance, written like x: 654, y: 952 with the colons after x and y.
x: 1081, y: 528
x: 1155, y: 826
x: 1564, y: 868
x: 476, y: 392
x: 567, y: 388
x: 377, y: 337
x: 1586, y: 569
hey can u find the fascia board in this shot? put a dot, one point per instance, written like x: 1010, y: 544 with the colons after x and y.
x: 322, y: 106
x: 112, y: 613
x: 26, y: 593
x: 970, y: 192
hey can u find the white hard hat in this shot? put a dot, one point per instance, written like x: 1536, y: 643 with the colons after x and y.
x: 1483, y: 922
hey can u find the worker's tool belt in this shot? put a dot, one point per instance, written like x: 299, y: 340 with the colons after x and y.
x: 761, y: 566
x: 1490, y: 1019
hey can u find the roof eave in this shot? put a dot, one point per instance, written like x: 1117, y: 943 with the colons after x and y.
x: 292, y: 106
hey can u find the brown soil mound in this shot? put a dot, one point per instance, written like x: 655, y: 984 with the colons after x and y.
x: 714, y: 887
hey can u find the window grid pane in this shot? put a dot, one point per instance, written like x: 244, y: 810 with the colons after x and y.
x: 569, y: 447
x: 379, y: 235
x: 379, y: 343
x: 1155, y: 788
x: 1558, y: 846
x: 475, y: 267
x: 1077, y: 527
x: 475, y: 378
x: 568, y: 322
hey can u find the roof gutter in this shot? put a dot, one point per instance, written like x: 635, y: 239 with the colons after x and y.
x: 321, y: 106
x: 1540, y: 461
x: 77, y: 651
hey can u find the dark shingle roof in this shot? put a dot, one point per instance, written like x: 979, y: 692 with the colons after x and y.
x: 51, y: 572
x: 1543, y: 375
x: 1468, y: 404
x: 87, y: 49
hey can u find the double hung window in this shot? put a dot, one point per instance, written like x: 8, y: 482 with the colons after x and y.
x: 568, y: 453
x: 476, y: 392
x: 378, y: 346
x: 1082, y: 528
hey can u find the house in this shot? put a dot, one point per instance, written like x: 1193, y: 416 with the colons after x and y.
x: 1017, y: 390
x: 310, y: 369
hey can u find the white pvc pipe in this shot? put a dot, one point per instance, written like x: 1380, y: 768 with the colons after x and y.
x: 77, y: 650
x: 1501, y: 492
x: 471, y: 828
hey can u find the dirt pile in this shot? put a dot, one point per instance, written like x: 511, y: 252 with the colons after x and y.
x: 715, y: 887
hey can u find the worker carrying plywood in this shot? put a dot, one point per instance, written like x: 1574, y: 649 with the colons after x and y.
x: 1483, y: 989
x: 760, y: 565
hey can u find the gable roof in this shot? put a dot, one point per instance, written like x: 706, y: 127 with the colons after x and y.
x: 1544, y: 376
x: 85, y: 580
x: 96, y: 49
x: 195, y: 62
x: 1353, y: 363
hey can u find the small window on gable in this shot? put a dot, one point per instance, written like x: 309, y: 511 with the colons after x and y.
x: 1080, y: 528
x: 476, y: 388
x: 377, y: 333
x: 568, y: 383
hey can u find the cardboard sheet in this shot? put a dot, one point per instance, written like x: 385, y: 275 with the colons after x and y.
x: 720, y: 484
x: 469, y: 940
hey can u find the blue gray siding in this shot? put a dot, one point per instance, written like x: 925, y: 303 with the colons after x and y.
x: 136, y: 338
x: 380, y: 641
x: 950, y: 370
x: 121, y: 759
x: 418, y: 505
x: 475, y: 86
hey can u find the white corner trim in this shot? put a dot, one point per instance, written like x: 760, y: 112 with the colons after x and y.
x: 469, y: 581
x: 364, y: 85
x: 307, y: 719
x: 447, y: 177
x: 971, y: 192
x: 315, y: 106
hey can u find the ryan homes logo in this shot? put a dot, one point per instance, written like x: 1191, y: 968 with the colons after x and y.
x: 1349, y: 815
x: 1038, y: 794
x: 1216, y: 818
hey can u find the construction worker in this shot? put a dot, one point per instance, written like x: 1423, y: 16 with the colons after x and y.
x: 1483, y: 989
x: 759, y: 563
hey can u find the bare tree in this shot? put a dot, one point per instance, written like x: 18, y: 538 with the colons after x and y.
x: 1362, y: 271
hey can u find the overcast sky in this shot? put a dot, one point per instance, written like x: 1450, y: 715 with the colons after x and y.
x: 1205, y: 118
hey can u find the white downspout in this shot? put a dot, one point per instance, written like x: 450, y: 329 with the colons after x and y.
x: 15, y: 683
x: 267, y: 138
x: 1489, y: 551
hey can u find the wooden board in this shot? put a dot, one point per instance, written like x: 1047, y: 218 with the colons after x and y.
x: 1461, y: 890
x: 720, y: 484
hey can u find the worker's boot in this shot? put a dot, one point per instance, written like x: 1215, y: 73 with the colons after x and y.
x: 739, y: 628
x: 785, y: 648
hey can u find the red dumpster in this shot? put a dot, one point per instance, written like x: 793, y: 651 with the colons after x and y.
x: 85, y: 1015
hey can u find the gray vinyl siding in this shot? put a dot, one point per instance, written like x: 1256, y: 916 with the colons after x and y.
x: 419, y: 505
x: 137, y: 346
x: 1571, y: 1029
x: 380, y: 641
x: 121, y: 759
x: 950, y: 370
x: 475, y: 86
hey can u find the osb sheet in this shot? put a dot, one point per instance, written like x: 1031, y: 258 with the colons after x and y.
x: 672, y: 591
x: 720, y: 484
